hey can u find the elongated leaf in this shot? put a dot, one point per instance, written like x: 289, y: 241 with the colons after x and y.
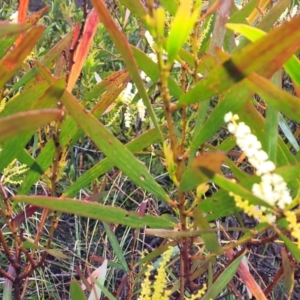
x: 233, y: 101
x: 106, y: 164
x: 8, y: 29
x: 38, y: 168
x: 30, y: 20
x: 291, y: 246
x: 105, y: 291
x: 96, y: 211
x: 54, y: 252
x: 116, y: 247
x: 241, y: 15
x: 253, y: 34
x: 8, y: 284
x: 22, y: 10
x: 271, y: 128
x: 288, y: 133
x: 76, y: 291
x: 21, y: 123
x: 35, y: 16
x: 83, y: 48
x: 219, y: 205
x: 170, y: 5
x: 112, y: 148
x: 124, y: 48
x: 247, y: 278
x: 267, y: 21
x: 137, y: 8
x: 275, y: 96
x: 223, y: 280
x: 288, y: 270
x: 112, y: 92
x: 107, y: 84
x: 24, y: 101
x: 97, y: 291
x: 181, y: 27
x: 269, y: 52
x: 171, y: 234
x: 6, y: 43
x: 13, y: 59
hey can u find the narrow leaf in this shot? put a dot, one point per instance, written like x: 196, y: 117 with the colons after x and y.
x: 143, y: 141
x: 9, y: 29
x: 116, y: 246
x: 13, y: 59
x: 23, y: 122
x: 223, y: 280
x: 112, y: 148
x: 253, y: 34
x: 271, y: 128
x: 97, y: 291
x: 291, y: 246
x: 83, y: 48
x: 96, y: 211
x: 181, y: 28
x: 288, y: 270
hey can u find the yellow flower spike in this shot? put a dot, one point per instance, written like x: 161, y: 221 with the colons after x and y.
x: 199, y: 294
x: 158, y: 288
x: 205, y: 31
x: 12, y: 173
x: 293, y: 226
x: 161, y: 277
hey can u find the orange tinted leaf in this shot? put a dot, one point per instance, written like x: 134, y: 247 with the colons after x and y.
x: 8, y: 29
x: 13, y: 59
x: 208, y: 163
x: 46, y: 60
x: 33, y: 18
x: 23, y: 122
x: 247, y: 278
x: 201, y: 170
x: 83, y: 48
x: 22, y: 10
x: 264, y: 56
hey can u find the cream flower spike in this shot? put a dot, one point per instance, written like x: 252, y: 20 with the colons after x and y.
x: 272, y: 189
